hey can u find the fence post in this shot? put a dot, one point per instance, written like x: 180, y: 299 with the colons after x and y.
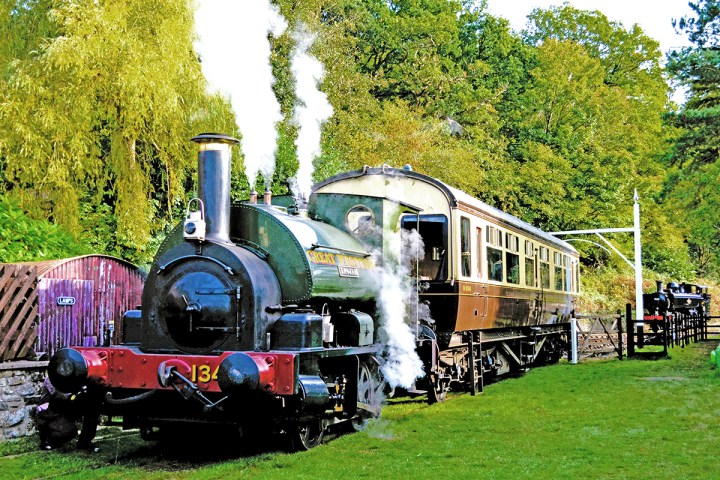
x: 620, y: 334
x: 629, y: 326
x: 573, y: 340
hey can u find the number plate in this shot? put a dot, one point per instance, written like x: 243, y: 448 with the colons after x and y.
x: 345, y: 271
x: 203, y: 373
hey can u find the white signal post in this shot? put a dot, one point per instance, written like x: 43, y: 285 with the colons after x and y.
x: 637, y: 266
x: 639, y: 317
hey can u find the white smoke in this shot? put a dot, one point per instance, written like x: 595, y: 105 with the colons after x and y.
x: 312, y: 108
x: 400, y: 363
x: 235, y: 53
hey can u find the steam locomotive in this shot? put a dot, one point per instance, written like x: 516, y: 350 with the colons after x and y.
x: 268, y: 316
x: 676, y: 299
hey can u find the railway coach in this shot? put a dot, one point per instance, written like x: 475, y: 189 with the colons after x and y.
x: 500, y: 292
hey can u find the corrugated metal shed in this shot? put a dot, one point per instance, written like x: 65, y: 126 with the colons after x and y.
x: 81, y: 300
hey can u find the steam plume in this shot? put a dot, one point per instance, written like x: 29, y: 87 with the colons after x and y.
x: 235, y: 53
x: 312, y: 107
x: 400, y: 364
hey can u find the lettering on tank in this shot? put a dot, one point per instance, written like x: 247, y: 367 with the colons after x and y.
x: 348, y: 265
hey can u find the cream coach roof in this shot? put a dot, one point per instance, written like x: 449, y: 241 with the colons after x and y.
x: 426, y: 193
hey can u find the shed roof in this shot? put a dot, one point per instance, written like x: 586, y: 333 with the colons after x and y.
x: 45, y: 266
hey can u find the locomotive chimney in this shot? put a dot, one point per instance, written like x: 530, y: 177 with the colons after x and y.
x: 253, y: 197
x: 214, y: 182
x: 267, y: 197
x: 659, y: 285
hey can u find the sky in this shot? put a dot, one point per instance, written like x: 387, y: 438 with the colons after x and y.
x: 654, y: 16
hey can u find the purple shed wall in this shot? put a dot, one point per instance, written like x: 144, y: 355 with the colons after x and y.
x: 103, y: 287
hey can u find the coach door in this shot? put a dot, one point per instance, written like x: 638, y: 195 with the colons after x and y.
x: 433, y: 230
x: 482, y: 286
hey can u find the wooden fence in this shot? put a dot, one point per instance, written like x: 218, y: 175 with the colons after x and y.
x: 600, y: 335
x: 18, y: 311
x: 607, y: 335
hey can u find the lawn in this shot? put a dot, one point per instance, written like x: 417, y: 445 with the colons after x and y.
x: 603, y: 419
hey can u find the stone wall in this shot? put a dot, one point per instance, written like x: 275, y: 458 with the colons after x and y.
x: 20, y: 391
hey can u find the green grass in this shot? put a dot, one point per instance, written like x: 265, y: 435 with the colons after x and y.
x: 603, y: 419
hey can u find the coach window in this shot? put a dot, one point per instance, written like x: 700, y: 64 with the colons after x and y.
x: 568, y: 274
x: 494, y: 254
x: 465, y: 253
x: 434, y: 233
x: 544, y: 267
x: 478, y: 239
x: 577, y: 277
x: 529, y: 263
x: 559, y: 271
x: 512, y: 258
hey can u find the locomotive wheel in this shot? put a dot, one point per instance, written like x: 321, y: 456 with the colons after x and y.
x: 369, y: 396
x: 436, y: 389
x: 306, y: 435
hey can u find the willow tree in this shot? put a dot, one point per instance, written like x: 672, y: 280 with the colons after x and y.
x: 101, y: 114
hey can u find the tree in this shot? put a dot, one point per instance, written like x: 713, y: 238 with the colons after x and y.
x: 698, y: 69
x: 24, y: 239
x: 630, y: 58
x: 691, y: 189
x: 101, y: 112
x: 399, y: 73
x: 588, y: 128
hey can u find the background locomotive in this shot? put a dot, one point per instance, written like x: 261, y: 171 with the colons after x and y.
x: 267, y: 317
x: 677, y: 298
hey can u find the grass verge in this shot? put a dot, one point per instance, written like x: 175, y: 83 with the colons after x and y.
x: 603, y: 419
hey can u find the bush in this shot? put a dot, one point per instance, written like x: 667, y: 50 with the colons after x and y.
x: 25, y: 239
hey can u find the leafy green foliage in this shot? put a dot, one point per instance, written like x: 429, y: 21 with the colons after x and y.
x: 104, y: 108
x: 691, y: 189
x: 587, y: 131
x: 558, y: 125
x: 407, y: 87
x: 23, y: 239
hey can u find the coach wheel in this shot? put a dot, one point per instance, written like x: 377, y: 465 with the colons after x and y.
x: 437, y: 391
x: 306, y: 435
